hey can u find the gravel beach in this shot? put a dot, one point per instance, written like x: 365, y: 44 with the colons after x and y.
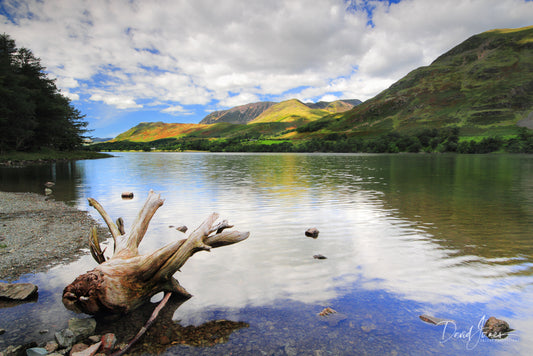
x: 36, y: 233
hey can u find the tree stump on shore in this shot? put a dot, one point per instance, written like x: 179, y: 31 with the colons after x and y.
x: 127, y: 280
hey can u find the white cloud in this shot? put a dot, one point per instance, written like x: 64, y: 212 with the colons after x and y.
x: 71, y: 96
x: 231, y: 52
x: 174, y: 110
x: 118, y: 101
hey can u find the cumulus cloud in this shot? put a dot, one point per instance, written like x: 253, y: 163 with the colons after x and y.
x: 232, y: 52
x: 119, y: 101
x: 174, y: 110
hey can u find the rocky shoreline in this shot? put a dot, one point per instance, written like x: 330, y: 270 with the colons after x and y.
x: 37, y: 233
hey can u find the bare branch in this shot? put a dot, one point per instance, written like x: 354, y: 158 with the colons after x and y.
x: 226, y: 238
x: 131, y: 240
x: 94, y: 246
x: 221, y: 226
x: 120, y: 225
x: 112, y: 227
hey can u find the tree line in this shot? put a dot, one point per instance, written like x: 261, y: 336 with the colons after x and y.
x: 33, y: 112
x: 425, y: 140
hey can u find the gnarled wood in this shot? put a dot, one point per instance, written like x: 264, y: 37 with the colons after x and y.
x: 127, y: 280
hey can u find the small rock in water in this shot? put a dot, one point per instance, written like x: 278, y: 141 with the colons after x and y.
x: 109, y: 342
x: 94, y: 338
x: 434, y: 320
x: 65, y: 338
x: 368, y: 327
x: 327, y: 311
x: 127, y: 195
x: 312, y: 232
x: 331, y: 316
x: 182, y: 228
x: 88, y: 351
x: 51, y: 346
x: 82, y: 328
x: 319, y: 257
x: 496, y: 328
x: 36, y: 351
x: 78, y: 348
x: 17, y: 291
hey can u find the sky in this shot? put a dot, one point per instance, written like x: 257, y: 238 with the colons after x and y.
x: 123, y: 62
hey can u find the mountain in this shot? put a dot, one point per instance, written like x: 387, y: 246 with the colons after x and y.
x: 100, y: 139
x: 288, y: 111
x: 335, y: 106
x: 267, y: 111
x: 484, y: 86
x: 238, y: 115
x: 150, y: 131
x: 295, y: 110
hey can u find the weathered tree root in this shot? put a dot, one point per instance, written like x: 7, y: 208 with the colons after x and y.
x: 125, y: 281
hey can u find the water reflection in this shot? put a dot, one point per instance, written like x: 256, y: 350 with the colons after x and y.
x: 32, y: 178
x: 449, y: 234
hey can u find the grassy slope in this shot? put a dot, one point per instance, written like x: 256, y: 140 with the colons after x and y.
x: 289, y: 110
x: 484, y: 86
x: 150, y: 131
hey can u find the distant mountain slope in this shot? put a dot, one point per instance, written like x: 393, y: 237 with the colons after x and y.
x: 255, y: 112
x: 150, y: 131
x: 335, y: 106
x: 295, y: 110
x: 238, y: 115
x: 287, y: 111
x: 484, y: 86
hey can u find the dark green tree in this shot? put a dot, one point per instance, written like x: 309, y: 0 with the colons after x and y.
x: 33, y: 112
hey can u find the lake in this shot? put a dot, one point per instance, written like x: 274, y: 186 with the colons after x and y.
x: 450, y: 236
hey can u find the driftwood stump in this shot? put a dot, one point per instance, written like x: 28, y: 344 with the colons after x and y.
x: 125, y: 281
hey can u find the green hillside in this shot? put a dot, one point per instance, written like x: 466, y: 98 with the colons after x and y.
x: 484, y: 86
x: 290, y: 110
x: 151, y: 131
x: 475, y: 98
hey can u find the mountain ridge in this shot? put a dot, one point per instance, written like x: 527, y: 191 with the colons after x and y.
x: 483, y: 87
x: 255, y: 112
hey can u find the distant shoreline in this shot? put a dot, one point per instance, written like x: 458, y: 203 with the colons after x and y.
x: 18, y: 159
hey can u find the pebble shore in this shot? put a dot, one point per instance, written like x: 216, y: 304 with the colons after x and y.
x: 37, y: 233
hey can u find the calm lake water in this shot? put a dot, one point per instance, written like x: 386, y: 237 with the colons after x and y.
x: 450, y: 236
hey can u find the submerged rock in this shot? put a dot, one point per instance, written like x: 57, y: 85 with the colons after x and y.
x: 82, y: 328
x: 434, y: 320
x: 51, y: 346
x: 331, y: 317
x: 65, y: 338
x: 36, y: 351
